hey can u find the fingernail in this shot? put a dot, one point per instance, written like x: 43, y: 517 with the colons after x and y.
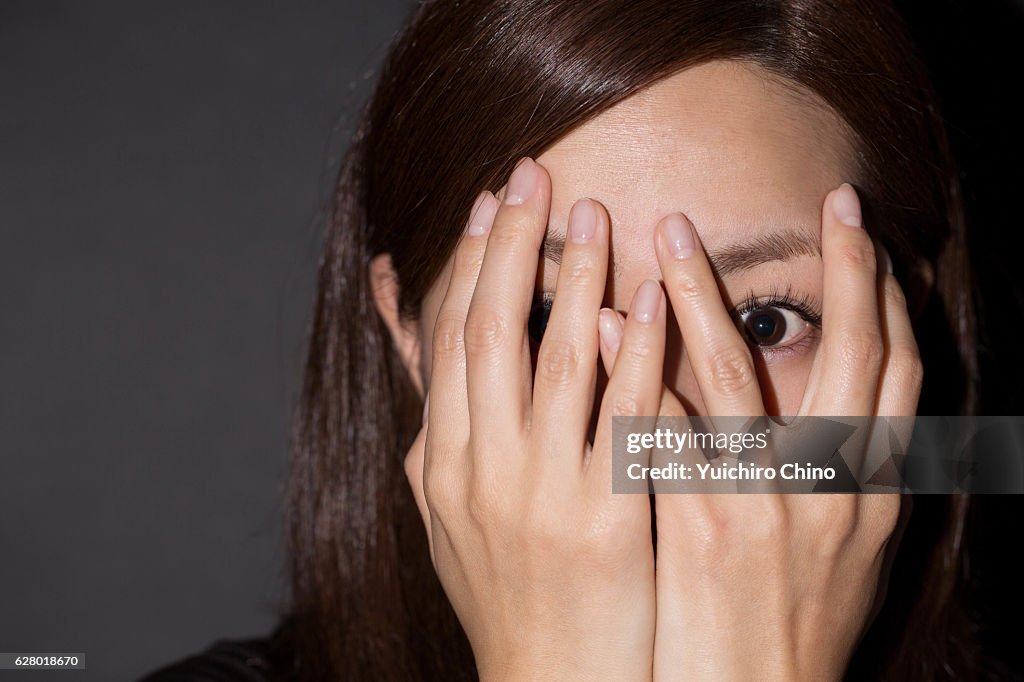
x: 646, y: 301
x: 610, y: 328
x: 677, y: 233
x: 582, y: 221
x: 481, y: 215
x: 846, y: 205
x: 522, y: 183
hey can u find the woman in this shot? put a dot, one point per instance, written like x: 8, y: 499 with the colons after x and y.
x: 690, y: 196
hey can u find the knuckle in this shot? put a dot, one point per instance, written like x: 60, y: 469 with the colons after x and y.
x: 859, y: 255
x: 862, y: 348
x: 412, y: 465
x: 486, y: 329
x: 718, y: 536
x: 512, y: 231
x: 558, y: 362
x: 448, y: 336
x: 482, y: 508
x: 478, y: 508
x: 438, y: 491
x: 730, y: 370
x: 580, y: 271
x: 636, y: 352
x: 894, y: 296
x: 710, y: 532
x: 468, y: 259
x: 832, y: 519
x: 770, y: 524
x: 687, y: 287
x: 882, y: 515
x: 626, y: 405
x: 906, y: 366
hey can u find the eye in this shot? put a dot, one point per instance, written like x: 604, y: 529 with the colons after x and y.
x: 539, y: 314
x: 768, y: 326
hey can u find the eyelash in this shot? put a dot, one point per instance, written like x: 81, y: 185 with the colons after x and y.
x: 805, y: 306
x: 541, y: 302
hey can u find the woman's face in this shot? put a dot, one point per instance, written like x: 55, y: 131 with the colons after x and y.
x: 749, y: 159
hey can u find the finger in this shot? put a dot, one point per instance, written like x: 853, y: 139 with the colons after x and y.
x: 448, y: 352
x: 844, y: 379
x: 719, y: 355
x: 610, y: 324
x: 635, y: 382
x: 414, y: 468
x: 563, y: 390
x: 902, y: 370
x: 611, y: 327
x: 498, y: 366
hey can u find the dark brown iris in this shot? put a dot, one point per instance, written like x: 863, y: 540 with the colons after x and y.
x: 765, y: 326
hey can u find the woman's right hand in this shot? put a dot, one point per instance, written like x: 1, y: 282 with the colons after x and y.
x: 780, y: 586
x: 550, y: 574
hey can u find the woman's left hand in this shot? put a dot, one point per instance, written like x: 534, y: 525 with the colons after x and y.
x: 772, y: 586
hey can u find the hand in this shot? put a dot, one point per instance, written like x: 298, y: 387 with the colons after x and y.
x: 770, y: 586
x: 551, y: 576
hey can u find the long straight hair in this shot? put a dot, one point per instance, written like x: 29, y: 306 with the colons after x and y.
x: 467, y: 89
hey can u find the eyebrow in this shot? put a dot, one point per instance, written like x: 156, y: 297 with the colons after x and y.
x: 780, y: 245
x: 551, y: 247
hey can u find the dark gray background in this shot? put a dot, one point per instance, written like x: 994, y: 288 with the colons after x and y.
x: 161, y: 170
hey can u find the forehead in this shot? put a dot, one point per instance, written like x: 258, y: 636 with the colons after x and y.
x: 736, y: 149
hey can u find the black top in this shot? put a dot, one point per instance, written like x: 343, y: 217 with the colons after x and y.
x: 224, y: 661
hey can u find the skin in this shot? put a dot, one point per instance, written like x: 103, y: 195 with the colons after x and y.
x: 551, y: 574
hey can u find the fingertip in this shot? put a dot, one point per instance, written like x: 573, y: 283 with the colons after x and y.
x: 676, y: 236
x: 583, y: 221
x: 522, y: 183
x: 481, y: 217
x: 528, y: 179
x: 647, y: 302
x: 610, y: 328
x: 845, y: 205
x: 480, y: 198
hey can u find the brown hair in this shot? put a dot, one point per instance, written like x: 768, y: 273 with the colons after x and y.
x: 467, y: 89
